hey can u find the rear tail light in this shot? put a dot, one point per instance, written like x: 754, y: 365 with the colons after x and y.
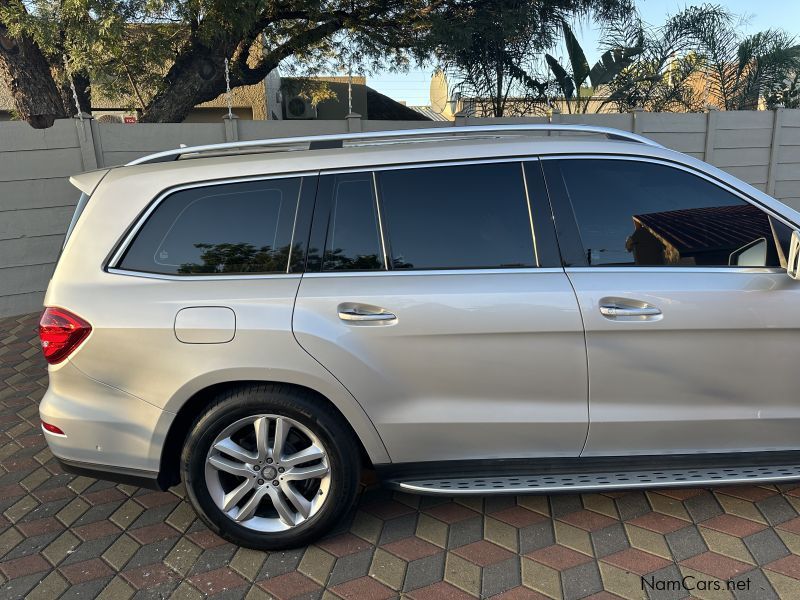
x: 61, y: 332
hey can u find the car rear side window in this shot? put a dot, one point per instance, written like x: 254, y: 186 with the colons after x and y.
x: 457, y: 217
x: 234, y: 228
x: 637, y: 213
x: 353, y: 241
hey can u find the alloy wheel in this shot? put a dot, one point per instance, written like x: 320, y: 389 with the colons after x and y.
x: 268, y: 473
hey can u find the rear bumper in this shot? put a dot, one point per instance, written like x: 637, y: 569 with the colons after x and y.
x: 107, y: 431
x: 146, y: 479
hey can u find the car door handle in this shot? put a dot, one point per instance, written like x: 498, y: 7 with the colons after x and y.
x: 350, y: 311
x: 617, y: 310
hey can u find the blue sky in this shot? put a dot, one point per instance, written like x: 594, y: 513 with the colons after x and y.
x: 764, y: 14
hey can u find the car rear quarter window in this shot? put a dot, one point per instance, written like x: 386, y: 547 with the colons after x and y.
x: 233, y: 228
x: 457, y: 217
x: 639, y: 213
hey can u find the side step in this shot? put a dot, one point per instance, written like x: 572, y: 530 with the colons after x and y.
x: 596, y: 482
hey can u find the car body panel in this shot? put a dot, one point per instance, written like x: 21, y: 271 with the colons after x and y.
x: 712, y: 375
x: 104, y: 425
x: 479, y: 364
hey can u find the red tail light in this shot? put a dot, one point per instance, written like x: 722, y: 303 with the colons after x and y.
x: 61, y: 332
x: 52, y: 429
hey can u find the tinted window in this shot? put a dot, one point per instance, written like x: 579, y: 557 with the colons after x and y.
x: 644, y: 214
x: 353, y: 241
x: 460, y: 217
x: 221, y: 229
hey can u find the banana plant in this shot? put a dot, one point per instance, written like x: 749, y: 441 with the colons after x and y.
x: 611, y: 64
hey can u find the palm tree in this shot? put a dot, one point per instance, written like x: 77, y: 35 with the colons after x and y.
x: 663, y: 74
x: 571, y: 83
x: 642, y: 66
x: 699, y: 57
x: 740, y: 71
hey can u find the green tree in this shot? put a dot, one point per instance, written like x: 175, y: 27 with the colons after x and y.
x: 492, y: 49
x: 663, y: 76
x: 571, y: 82
x: 166, y: 56
x: 743, y: 70
x: 698, y: 57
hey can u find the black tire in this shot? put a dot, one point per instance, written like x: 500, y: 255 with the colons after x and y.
x: 304, y: 407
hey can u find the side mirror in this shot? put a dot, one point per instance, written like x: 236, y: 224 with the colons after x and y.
x: 793, y: 264
x: 753, y: 254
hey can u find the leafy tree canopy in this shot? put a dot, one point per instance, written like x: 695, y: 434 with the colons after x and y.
x: 166, y: 56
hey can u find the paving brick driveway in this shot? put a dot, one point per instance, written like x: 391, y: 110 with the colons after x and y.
x: 72, y: 537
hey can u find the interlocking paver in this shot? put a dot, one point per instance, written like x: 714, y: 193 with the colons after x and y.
x: 63, y: 536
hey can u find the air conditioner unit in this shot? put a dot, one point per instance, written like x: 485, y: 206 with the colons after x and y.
x: 297, y: 107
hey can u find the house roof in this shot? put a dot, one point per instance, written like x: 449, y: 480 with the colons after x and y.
x: 428, y: 112
x: 383, y: 108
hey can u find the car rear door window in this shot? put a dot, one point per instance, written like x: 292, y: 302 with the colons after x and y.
x: 234, y: 228
x: 457, y: 217
x: 353, y: 241
x: 639, y: 213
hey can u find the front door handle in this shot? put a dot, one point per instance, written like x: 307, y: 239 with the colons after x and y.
x: 626, y: 309
x: 613, y: 310
x: 356, y: 312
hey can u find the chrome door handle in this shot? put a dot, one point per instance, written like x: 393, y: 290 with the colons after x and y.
x: 614, y: 310
x: 349, y: 311
x: 351, y: 315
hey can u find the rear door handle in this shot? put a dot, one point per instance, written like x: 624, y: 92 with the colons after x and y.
x: 353, y: 311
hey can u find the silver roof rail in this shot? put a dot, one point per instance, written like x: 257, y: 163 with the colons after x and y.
x: 337, y: 140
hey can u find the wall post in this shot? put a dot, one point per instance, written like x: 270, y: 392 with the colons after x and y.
x: 83, y: 122
x: 774, y: 149
x: 460, y: 119
x: 231, y: 128
x: 553, y: 116
x: 354, y: 124
x: 711, y: 130
x: 637, y: 116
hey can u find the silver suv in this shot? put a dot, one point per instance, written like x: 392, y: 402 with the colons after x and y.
x: 486, y: 310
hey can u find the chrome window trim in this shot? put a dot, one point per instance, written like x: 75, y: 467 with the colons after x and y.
x: 701, y: 269
x: 294, y: 224
x: 432, y: 272
x: 112, y: 265
x: 148, y: 275
x: 378, y: 210
x: 530, y: 212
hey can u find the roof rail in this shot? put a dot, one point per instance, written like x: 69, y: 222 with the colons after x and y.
x: 337, y: 140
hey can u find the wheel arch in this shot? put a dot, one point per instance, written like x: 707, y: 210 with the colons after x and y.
x: 364, y: 433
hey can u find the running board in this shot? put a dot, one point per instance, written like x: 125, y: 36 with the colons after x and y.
x: 596, y: 482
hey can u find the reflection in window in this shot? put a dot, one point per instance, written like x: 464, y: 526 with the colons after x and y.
x: 353, y: 242
x: 222, y: 229
x: 645, y: 214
